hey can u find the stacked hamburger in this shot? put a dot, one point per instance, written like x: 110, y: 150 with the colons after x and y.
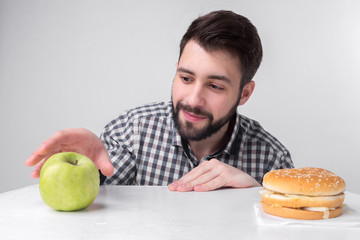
x: 303, y: 193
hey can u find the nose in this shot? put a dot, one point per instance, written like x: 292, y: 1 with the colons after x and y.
x: 196, y: 95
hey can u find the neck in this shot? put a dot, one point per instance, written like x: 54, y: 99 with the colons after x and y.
x: 213, y: 143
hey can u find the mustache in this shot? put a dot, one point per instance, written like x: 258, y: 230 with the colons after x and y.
x: 195, y: 110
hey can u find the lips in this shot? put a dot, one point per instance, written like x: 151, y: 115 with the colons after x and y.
x: 191, y: 117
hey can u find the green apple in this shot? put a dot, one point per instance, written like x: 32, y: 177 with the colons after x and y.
x: 69, y: 181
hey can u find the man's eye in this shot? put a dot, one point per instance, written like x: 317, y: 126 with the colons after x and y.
x: 186, y: 79
x: 216, y: 87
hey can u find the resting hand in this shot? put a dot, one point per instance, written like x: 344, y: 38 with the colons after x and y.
x: 211, y: 175
x: 78, y: 140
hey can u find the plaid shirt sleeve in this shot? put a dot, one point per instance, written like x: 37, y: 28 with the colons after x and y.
x: 118, y: 139
x: 261, y: 151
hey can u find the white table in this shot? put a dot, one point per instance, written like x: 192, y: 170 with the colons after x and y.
x: 128, y: 212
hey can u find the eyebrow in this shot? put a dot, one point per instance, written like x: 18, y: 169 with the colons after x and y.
x: 184, y: 70
x: 215, y: 77
x: 220, y: 77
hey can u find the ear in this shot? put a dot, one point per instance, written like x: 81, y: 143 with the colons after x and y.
x: 246, y: 92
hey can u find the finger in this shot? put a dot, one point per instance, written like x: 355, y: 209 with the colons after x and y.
x: 52, y: 145
x: 47, y: 148
x: 180, y: 186
x: 33, y: 160
x: 36, y: 171
x: 172, y: 186
x: 205, y: 178
x: 103, y: 162
x: 204, y: 173
x: 184, y: 184
x: 213, y: 184
x: 196, y: 172
x: 37, y: 156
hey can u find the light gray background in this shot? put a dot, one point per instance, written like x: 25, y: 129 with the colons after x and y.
x: 80, y: 63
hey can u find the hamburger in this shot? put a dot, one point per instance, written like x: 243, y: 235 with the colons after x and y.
x: 303, y: 193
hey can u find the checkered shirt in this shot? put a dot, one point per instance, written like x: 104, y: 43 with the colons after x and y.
x: 146, y: 149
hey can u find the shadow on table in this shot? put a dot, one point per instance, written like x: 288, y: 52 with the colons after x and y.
x: 93, y: 207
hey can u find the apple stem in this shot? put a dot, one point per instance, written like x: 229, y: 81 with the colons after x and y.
x: 75, y: 163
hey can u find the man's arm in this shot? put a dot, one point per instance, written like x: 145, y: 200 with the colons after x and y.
x: 211, y: 175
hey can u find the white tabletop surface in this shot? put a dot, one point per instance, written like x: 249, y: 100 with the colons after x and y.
x: 134, y: 212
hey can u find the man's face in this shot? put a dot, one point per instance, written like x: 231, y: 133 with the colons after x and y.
x: 205, y: 92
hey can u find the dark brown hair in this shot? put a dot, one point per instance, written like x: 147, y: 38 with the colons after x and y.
x: 231, y: 32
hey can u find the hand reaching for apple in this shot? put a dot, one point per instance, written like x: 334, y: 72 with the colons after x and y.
x: 78, y: 140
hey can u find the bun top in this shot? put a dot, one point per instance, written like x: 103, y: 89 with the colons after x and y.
x: 304, y: 181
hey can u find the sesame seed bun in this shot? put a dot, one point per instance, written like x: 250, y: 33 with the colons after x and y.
x: 306, y: 181
x: 303, y: 193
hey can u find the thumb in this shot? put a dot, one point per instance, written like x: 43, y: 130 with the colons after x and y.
x: 104, y: 164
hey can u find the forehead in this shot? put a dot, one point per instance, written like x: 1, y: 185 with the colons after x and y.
x: 217, y: 62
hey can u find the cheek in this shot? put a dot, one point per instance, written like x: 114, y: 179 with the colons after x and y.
x: 177, y: 92
x: 217, y: 107
x: 174, y: 94
x: 220, y: 106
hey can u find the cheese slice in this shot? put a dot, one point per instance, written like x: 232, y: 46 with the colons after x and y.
x: 320, y: 209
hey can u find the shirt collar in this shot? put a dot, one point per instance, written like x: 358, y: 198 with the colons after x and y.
x: 234, y: 134
x: 175, y: 136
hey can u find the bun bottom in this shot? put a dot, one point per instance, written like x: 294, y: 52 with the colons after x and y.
x: 296, y: 213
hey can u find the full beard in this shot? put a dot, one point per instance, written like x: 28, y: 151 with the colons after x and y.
x: 189, y: 132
